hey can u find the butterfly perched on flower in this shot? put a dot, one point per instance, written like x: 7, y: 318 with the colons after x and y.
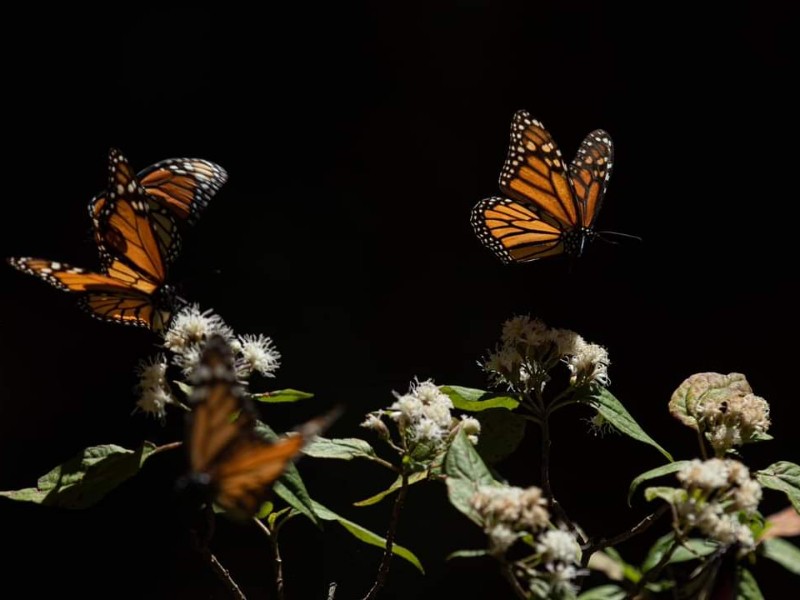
x: 137, y: 236
x: 551, y: 207
x: 230, y: 461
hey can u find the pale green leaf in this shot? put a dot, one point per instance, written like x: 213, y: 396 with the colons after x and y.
x: 653, y: 474
x: 366, y: 536
x: 748, y: 587
x: 465, y: 471
x: 467, y: 554
x: 86, y: 478
x: 279, y: 396
x: 473, y: 400
x: 618, y: 416
x: 396, y: 485
x: 604, y: 592
x: 784, y: 553
x: 339, y: 448
x: 783, y: 476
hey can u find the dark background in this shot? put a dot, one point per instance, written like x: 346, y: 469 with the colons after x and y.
x: 357, y: 139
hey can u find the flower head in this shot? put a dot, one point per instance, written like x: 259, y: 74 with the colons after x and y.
x: 190, y: 327
x: 257, y: 353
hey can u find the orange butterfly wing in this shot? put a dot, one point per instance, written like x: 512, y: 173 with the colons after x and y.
x: 549, y: 211
x: 128, y: 224
x: 121, y: 294
x: 224, y: 447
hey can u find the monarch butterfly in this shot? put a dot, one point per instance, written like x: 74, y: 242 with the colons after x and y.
x: 177, y: 187
x: 138, y: 238
x: 229, y: 460
x: 551, y: 209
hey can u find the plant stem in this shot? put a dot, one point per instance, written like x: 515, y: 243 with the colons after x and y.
x: 383, y: 463
x: 166, y: 447
x: 225, y: 576
x: 547, y: 488
x: 383, y: 569
x: 277, y: 561
x: 643, y: 525
x: 512, y: 581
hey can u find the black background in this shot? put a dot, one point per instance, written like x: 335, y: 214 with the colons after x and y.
x: 357, y: 139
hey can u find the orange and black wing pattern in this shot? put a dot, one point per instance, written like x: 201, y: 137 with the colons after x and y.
x: 589, y: 173
x: 121, y: 294
x: 128, y: 224
x: 183, y: 186
x: 180, y: 188
x: 548, y: 208
x: 225, y: 451
x: 135, y: 245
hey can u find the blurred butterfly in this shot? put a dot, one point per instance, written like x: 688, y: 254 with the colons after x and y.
x: 177, y: 189
x: 551, y: 208
x: 137, y: 239
x: 230, y: 462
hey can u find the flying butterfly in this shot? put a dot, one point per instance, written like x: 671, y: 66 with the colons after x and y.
x: 550, y: 208
x: 138, y: 240
x: 230, y: 462
x: 177, y: 189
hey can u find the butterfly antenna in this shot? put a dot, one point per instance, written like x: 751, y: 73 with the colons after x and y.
x: 601, y: 235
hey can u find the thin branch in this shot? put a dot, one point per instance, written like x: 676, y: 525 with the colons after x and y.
x: 643, y: 525
x: 547, y: 488
x: 383, y: 569
x: 512, y: 581
x: 166, y: 447
x: 225, y: 576
x: 383, y: 463
x: 277, y: 561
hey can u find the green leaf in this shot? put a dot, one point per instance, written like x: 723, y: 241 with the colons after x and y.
x: 340, y: 448
x: 465, y: 471
x: 86, y: 478
x: 501, y: 433
x: 604, y: 592
x: 784, y: 553
x: 748, y: 588
x: 783, y: 476
x: 660, y: 547
x: 467, y: 554
x: 473, y: 400
x: 653, y: 474
x: 290, y: 486
x: 287, y: 395
x: 617, y: 415
x: 187, y: 389
x: 610, y: 562
x: 396, y: 485
x: 693, y: 549
x: 366, y: 536
x: 671, y: 495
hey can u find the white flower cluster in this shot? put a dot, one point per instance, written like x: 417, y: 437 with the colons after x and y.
x: 509, y: 512
x: 423, y: 416
x: 186, y: 338
x: 721, y: 495
x: 733, y: 420
x: 560, y: 554
x: 529, y: 349
x: 154, y: 394
x: 191, y: 328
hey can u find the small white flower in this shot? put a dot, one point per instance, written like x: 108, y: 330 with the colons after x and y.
x: 409, y: 407
x: 521, y: 509
x: 191, y: 327
x: 707, y: 475
x: 439, y: 413
x: 258, y: 354
x: 428, y: 430
x: 522, y: 328
x: 153, y: 401
x: 501, y: 538
x: 376, y: 424
x: 471, y: 427
x: 152, y: 372
x: 748, y: 495
x: 556, y: 545
x: 188, y: 359
x: 588, y: 363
